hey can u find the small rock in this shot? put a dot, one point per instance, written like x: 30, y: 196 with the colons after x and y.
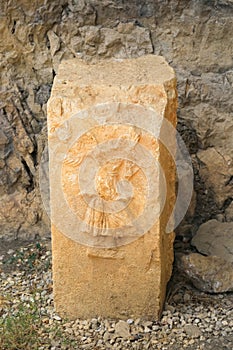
x: 57, y: 318
x: 192, y: 331
x: 106, y: 336
x: 45, y: 320
x: 69, y: 330
x: 147, y: 330
x: 130, y: 321
x: 137, y: 321
x: 186, y: 297
x: 122, y: 329
x: 169, y: 308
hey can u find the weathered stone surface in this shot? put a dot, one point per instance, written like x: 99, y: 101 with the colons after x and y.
x: 19, y: 212
x: 216, y: 170
x: 208, y: 273
x: 195, y: 37
x: 229, y: 212
x: 215, y: 238
x: 103, y: 264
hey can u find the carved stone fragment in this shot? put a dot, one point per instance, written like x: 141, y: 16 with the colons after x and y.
x: 112, y: 186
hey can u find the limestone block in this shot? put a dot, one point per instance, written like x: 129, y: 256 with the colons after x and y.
x: 112, y: 185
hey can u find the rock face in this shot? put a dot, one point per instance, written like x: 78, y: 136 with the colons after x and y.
x: 229, y: 212
x: 216, y: 170
x: 215, y: 238
x: 210, y: 274
x: 112, y: 256
x: 194, y: 37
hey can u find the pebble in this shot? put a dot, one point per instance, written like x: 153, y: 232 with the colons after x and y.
x: 122, y: 329
x: 130, y: 321
x: 193, y: 331
x: 57, y: 318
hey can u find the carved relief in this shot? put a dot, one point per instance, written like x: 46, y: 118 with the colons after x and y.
x: 77, y: 154
x: 119, y: 192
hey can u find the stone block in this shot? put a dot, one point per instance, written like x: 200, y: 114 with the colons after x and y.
x: 112, y: 187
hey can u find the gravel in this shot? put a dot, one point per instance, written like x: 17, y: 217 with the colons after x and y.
x: 191, y: 319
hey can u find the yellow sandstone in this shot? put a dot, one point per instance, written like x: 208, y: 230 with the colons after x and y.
x: 112, y: 185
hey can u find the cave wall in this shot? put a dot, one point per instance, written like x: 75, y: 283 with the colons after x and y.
x: 195, y: 37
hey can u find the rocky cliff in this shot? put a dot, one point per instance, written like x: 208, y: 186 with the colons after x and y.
x: 195, y: 37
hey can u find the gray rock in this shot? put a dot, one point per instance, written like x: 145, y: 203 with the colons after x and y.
x: 122, y: 329
x: 208, y: 273
x: 215, y: 238
x: 192, y: 331
x: 106, y: 336
x: 216, y: 171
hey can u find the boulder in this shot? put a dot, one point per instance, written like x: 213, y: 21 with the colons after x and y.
x: 210, y: 274
x: 215, y: 238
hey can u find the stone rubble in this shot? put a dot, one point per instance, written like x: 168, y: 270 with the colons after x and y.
x: 191, y: 320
